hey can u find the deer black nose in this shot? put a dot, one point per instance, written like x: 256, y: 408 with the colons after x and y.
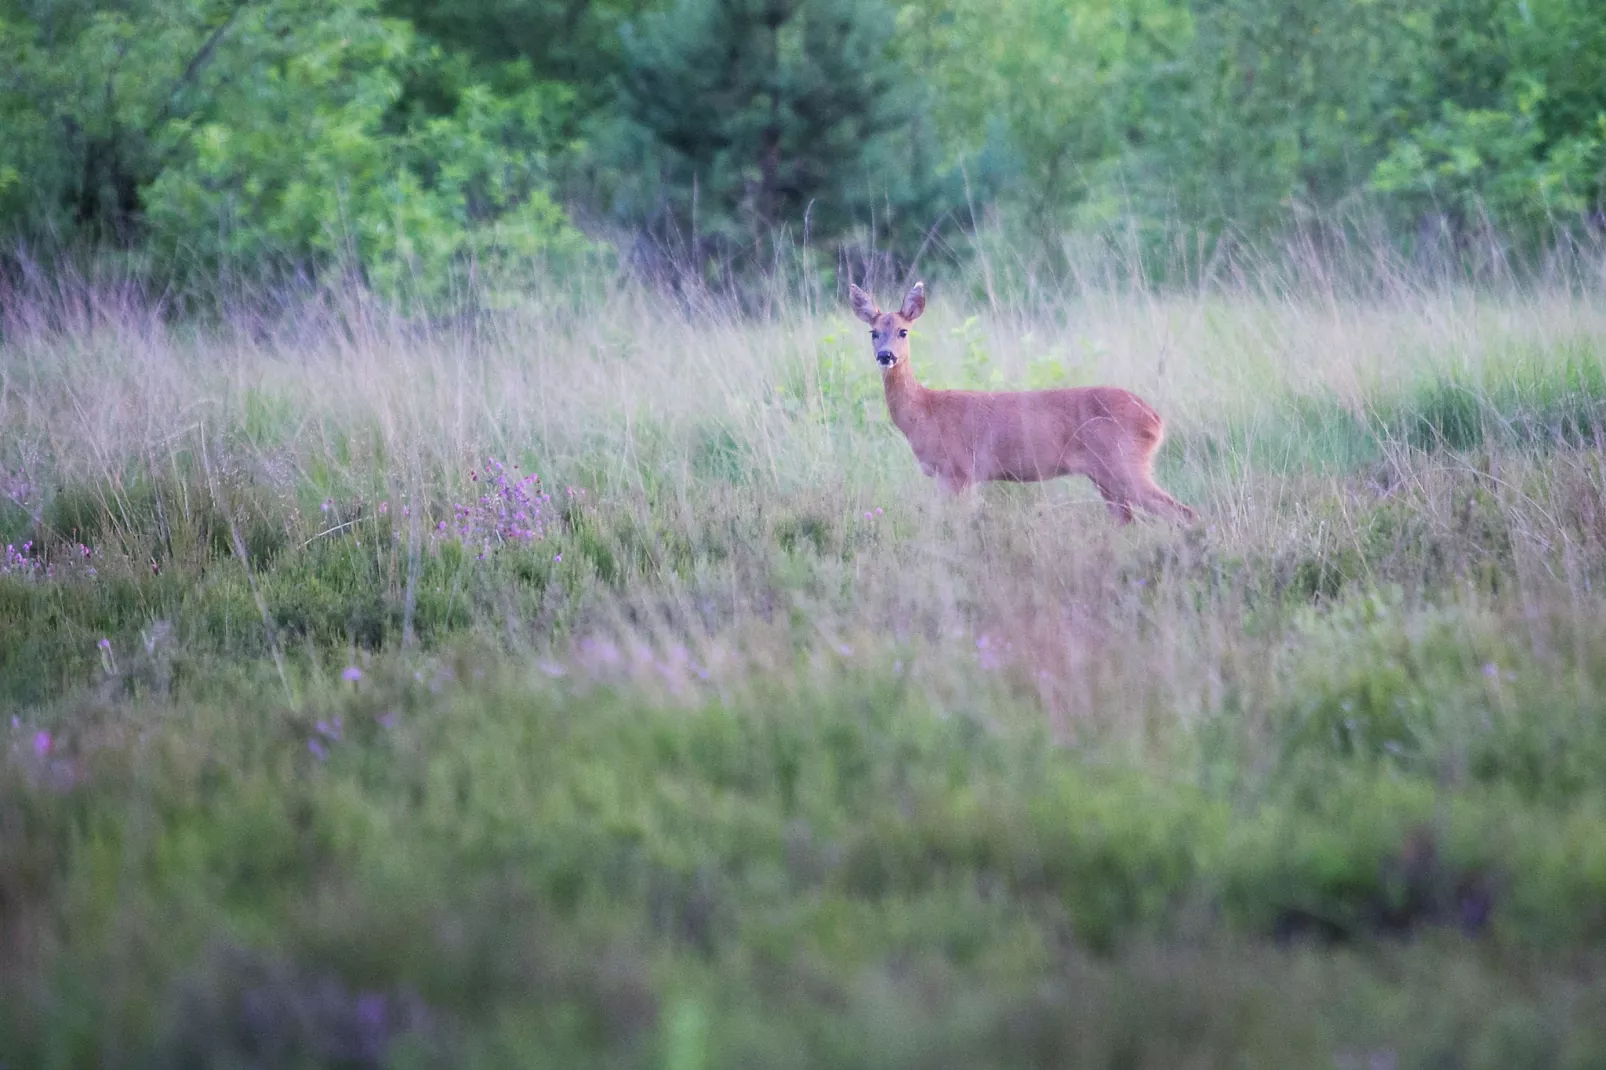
x: 883, y: 354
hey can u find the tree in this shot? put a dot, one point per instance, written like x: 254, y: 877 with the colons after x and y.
x: 1525, y: 149
x: 574, y: 42
x: 261, y: 136
x: 761, y: 114
x: 1040, y: 96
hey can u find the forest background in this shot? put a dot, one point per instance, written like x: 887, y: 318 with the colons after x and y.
x: 412, y: 142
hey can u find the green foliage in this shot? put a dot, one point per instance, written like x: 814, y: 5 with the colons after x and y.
x: 1497, y: 166
x: 1282, y: 105
x: 1248, y: 115
x: 758, y: 115
x: 572, y: 42
x: 265, y: 137
x: 419, y: 143
x: 1045, y: 93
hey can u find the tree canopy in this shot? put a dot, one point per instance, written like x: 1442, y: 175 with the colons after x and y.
x: 406, y: 139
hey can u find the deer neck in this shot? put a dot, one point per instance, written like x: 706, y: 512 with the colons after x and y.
x: 906, y: 398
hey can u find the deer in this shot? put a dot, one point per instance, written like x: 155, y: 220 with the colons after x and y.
x: 965, y: 437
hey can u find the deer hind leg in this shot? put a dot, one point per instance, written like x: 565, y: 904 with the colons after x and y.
x: 1146, y: 493
x: 1116, y: 497
x: 1124, y: 490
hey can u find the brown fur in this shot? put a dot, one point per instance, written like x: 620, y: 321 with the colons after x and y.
x: 963, y: 437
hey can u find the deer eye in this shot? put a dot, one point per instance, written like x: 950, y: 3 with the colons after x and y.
x: 903, y: 332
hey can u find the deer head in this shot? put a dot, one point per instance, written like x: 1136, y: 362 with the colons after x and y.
x: 889, y: 331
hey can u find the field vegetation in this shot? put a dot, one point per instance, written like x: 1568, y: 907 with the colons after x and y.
x: 338, y: 739
x: 464, y: 604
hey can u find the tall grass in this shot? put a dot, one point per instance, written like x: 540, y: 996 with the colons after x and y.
x: 764, y: 754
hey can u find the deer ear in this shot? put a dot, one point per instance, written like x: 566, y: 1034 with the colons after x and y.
x: 915, y: 303
x: 863, y: 305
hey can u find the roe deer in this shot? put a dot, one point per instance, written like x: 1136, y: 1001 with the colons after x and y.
x: 970, y: 436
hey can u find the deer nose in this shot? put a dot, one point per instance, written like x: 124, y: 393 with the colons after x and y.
x: 883, y: 354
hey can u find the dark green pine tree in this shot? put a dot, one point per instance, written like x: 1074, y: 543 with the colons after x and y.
x: 763, y: 111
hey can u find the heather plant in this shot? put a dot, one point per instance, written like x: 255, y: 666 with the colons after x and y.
x: 508, y: 511
x: 28, y: 560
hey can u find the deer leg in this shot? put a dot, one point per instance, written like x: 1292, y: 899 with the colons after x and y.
x: 1118, y: 503
x: 1151, y: 497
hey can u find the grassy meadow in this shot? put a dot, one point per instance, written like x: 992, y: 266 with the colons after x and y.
x: 328, y: 742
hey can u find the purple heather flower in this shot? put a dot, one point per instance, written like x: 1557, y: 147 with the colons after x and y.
x: 41, y: 743
x: 318, y: 750
x: 105, y: 644
x: 351, y: 674
x: 371, y: 1010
